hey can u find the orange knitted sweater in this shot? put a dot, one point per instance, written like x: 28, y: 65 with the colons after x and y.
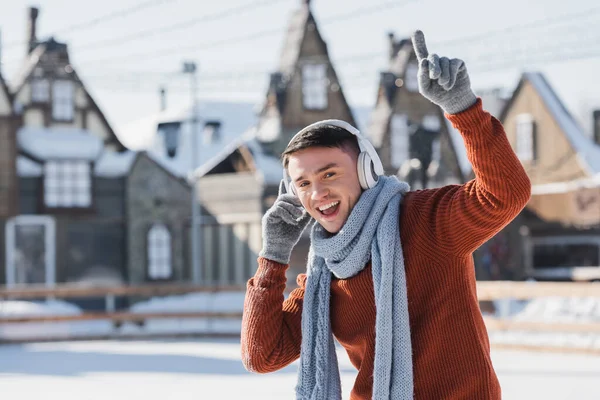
x: 439, y: 230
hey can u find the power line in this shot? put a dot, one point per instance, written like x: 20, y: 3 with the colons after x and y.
x: 516, y: 29
x: 159, y: 53
x: 506, y: 57
x: 144, y: 34
x: 98, y: 20
x: 226, y: 84
x: 362, y: 11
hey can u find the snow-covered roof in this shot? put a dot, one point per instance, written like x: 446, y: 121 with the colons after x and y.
x: 565, y: 187
x: 29, y: 63
x: 267, y: 165
x: 459, y: 148
x: 362, y: 115
x: 235, y: 119
x: 588, y: 151
x: 27, y: 168
x: 59, y: 143
x: 293, y: 40
x: 112, y: 164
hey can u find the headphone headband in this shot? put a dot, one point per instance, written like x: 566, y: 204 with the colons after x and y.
x: 363, y: 143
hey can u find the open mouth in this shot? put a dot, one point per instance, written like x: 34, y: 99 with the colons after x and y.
x: 330, y: 210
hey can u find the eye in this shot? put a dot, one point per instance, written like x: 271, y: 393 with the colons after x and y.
x: 329, y: 174
x: 303, y: 184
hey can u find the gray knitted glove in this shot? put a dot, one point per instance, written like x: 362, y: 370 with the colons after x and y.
x: 282, y: 226
x: 444, y: 82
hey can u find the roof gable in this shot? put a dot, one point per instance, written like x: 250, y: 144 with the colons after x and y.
x: 49, y: 55
x: 282, y: 110
x: 588, y: 150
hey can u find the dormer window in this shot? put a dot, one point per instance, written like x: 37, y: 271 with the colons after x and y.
x: 314, y: 86
x: 67, y: 184
x: 212, y: 132
x: 62, y: 100
x: 40, y: 90
x: 526, y: 143
x: 410, y: 77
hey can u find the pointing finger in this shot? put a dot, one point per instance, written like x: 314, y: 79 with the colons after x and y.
x: 424, y: 81
x: 418, y: 40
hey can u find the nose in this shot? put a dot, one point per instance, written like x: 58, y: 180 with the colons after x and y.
x: 320, y: 191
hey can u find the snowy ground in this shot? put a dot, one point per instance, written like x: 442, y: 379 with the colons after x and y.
x: 201, y: 369
x: 549, y: 309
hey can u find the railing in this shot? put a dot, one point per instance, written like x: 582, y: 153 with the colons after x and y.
x: 489, y: 290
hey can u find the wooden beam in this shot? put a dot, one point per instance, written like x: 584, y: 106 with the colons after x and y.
x: 498, y: 324
x: 546, y: 349
x: 119, y: 316
x: 493, y: 290
x: 120, y: 336
x: 65, y: 291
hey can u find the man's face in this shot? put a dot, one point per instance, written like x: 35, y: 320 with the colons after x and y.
x: 326, y: 181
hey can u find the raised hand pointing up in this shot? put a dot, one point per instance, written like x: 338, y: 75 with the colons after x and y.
x: 443, y: 81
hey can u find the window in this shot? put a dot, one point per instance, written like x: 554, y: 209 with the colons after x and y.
x: 314, y: 86
x: 212, y: 132
x: 40, y: 90
x: 159, y: 252
x: 526, y: 138
x: 410, y: 77
x: 436, y: 150
x: 431, y: 122
x: 67, y: 184
x: 399, y: 140
x: 62, y: 100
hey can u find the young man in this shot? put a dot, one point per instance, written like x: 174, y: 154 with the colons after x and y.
x: 390, y: 272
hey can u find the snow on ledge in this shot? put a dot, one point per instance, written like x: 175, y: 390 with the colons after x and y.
x: 59, y: 143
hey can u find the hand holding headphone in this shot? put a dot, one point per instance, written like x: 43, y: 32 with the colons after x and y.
x: 369, y: 165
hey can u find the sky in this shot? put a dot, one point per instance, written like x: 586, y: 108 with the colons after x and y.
x: 124, y: 50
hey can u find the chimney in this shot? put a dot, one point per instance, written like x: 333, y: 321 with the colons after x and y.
x: 596, y: 128
x: 163, y: 99
x: 31, y: 28
x: 392, y: 44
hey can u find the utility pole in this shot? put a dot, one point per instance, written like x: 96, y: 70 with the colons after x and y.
x: 189, y: 67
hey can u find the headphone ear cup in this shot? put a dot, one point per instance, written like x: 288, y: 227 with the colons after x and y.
x: 366, y: 171
x: 360, y: 166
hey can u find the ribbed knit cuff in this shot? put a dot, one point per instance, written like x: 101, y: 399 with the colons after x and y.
x: 269, y: 273
x: 470, y: 120
x: 460, y: 103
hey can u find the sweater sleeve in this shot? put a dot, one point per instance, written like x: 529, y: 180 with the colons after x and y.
x: 271, y: 327
x: 458, y: 219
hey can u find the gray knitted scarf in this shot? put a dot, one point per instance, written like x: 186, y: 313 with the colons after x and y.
x: 370, y: 233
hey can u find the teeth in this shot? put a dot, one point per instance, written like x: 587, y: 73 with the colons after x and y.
x: 326, y: 206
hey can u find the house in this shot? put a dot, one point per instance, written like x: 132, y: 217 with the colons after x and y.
x: 70, y: 185
x: 239, y: 168
x: 304, y: 89
x: 414, y: 139
x: 561, y: 225
x: 229, y: 207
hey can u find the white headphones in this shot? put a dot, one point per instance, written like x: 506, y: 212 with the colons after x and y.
x: 369, y: 165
